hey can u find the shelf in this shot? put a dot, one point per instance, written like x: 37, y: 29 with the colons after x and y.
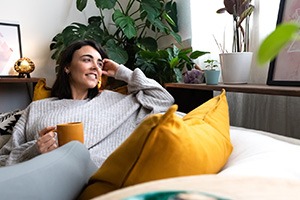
x: 18, y: 80
x: 242, y: 88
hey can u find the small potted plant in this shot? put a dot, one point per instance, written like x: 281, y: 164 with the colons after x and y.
x: 211, y: 72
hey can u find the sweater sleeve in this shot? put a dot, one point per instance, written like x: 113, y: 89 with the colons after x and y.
x: 149, y: 93
x: 18, y: 149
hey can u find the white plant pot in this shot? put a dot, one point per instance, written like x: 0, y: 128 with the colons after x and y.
x: 235, y: 67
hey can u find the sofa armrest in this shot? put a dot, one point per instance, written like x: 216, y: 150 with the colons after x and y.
x: 60, y: 174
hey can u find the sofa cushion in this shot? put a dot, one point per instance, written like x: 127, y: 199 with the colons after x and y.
x: 166, y: 145
x: 41, y: 91
x: 260, y: 153
x: 8, y: 121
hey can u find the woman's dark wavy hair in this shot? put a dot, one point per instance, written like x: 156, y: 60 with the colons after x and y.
x: 61, y: 87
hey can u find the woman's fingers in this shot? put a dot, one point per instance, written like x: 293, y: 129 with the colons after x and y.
x: 47, y: 140
x: 46, y: 130
x: 110, y: 67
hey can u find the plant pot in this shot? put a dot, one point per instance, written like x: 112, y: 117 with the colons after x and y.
x: 235, y: 67
x: 212, y: 77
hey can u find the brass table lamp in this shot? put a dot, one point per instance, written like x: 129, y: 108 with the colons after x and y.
x: 24, y: 66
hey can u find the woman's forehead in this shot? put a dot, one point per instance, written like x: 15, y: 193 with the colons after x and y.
x: 88, y: 50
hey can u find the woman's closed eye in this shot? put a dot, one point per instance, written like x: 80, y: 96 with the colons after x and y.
x: 100, y: 64
x: 87, y: 59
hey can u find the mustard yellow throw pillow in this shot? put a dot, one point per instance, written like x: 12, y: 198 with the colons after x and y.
x: 165, y: 146
x: 41, y: 91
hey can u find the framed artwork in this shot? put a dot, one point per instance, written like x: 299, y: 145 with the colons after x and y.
x: 10, y: 47
x: 284, y: 70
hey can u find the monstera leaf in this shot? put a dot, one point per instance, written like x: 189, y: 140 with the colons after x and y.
x: 126, y: 23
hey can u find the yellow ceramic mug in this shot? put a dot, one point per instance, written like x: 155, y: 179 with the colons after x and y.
x: 69, y: 131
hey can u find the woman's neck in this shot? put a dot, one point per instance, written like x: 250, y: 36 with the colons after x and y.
x: 79, y: 95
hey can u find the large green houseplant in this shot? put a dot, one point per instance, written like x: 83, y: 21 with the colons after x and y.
x: 167, y: 65
x: 138, y: 25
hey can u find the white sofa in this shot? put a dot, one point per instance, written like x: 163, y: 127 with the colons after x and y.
x: 62, y: 174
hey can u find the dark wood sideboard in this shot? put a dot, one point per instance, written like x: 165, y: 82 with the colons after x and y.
x: 16, y: 93
x: 189, y: 96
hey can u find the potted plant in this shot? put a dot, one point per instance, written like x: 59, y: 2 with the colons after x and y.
x: 167, y: 65
x: 211, y: 72
x: 241, y: 11
x: 137, y: 26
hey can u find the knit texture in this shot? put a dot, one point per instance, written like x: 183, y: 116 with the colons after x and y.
x: 108, y: 118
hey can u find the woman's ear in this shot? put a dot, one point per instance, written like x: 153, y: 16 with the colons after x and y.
x: 67, y: 70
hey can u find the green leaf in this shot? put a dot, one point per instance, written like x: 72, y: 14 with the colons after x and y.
x: 126, y: 23
x: 176, y: 36
x: 178, y: 74
x: 276, y: 41
x: 81, y: 4
x: 152, y: 7
x: 246, y: 13
x: 171, y: 10
x: 197, y: 54
x: 115, y: 52
x: 148, y: 43
x: 174, y: 62
x: 185, y: 51
x: 168, y: 19
x: 108, y: 4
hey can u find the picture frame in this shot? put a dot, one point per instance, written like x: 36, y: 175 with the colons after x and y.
x: 10, y: 47
x: 284, y: 70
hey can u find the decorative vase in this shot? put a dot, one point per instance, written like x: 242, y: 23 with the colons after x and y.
x: 235, y: 67
x: 212, y: 77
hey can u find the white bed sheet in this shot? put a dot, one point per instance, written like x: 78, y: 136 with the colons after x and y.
x: 258, y: 153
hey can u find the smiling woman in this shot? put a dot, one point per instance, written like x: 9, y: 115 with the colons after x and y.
x: 108, y: 117
x: 84, y: 71
x: 76, y: 62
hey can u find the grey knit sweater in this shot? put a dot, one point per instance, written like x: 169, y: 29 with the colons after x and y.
x: 108, y: 118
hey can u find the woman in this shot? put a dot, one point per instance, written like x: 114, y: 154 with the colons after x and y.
x: 108, y: 117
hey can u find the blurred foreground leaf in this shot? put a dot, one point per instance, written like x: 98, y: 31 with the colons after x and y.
x: 276, y: 41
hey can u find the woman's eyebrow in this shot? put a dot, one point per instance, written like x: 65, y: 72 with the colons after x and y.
x: 90, y: 56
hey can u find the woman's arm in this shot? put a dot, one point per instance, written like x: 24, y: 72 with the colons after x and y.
x: 148, y: 92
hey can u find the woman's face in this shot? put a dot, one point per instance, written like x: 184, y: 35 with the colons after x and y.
x: 85, y: 69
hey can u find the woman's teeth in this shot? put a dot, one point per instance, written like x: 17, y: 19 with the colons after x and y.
x: 92, y: 76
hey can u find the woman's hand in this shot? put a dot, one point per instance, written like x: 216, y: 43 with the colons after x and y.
x: 110, y: 67
x: 47, y: 140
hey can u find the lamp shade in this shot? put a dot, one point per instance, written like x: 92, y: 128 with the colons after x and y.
x: 24, y: 66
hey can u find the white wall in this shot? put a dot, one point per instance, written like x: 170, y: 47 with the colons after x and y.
x: 41, y: 20
x: 206, y: 23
